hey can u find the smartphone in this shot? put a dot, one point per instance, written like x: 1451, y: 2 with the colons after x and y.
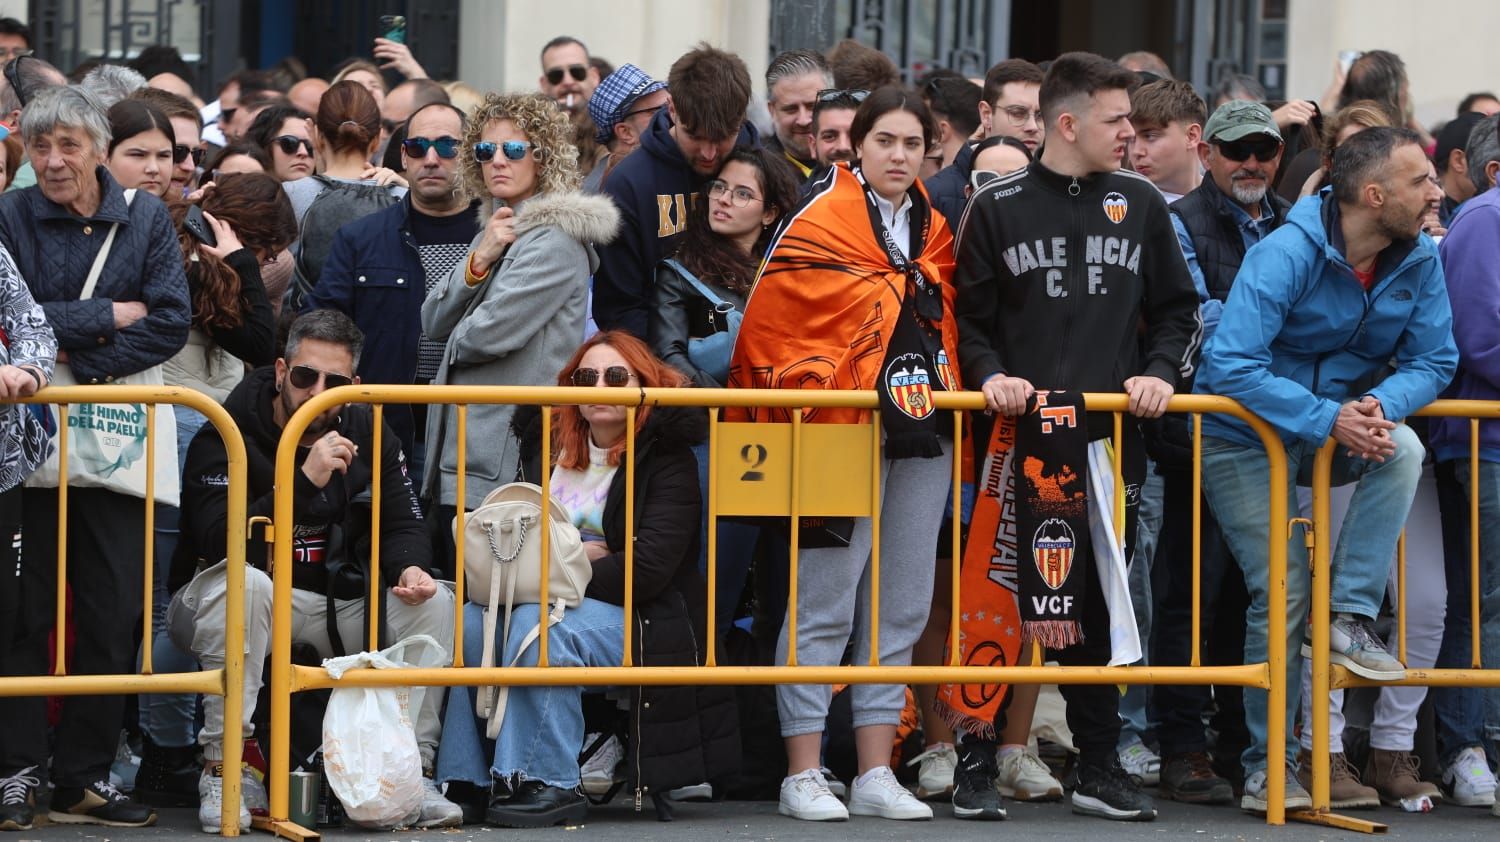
x: 198, y: 226
x: 393, y: 28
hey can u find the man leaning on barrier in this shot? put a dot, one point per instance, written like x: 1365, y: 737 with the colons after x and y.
x: 330, y: 508
x: 1319, y: 306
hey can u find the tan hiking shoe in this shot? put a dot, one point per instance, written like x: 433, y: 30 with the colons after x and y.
x: 1345, y: 791
x: 1395, y: 775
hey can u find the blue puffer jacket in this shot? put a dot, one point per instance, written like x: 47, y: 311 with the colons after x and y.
x: 1299, y: 331
x: 55, y: 249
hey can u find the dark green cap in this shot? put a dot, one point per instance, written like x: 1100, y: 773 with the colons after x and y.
x: 1238, y: 119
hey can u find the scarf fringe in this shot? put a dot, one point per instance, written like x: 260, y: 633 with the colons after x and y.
x: 1051, y: 634
x: 965, y: 722
x: 913, y: 445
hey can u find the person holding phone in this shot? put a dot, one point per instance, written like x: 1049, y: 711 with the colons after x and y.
x: 512, y: 311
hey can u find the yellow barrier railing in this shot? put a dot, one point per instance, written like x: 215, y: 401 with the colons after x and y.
x: 227, y: 682
x: 1326, y: 676
x: 287, y: 678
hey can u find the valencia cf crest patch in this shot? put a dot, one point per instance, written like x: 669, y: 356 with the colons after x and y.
x: 1052, y: 548
x: 910, y: 387
x: 1115, y: 207
x: 944, y: 371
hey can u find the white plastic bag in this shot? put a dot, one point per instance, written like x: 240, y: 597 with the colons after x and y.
x: 369, y: 745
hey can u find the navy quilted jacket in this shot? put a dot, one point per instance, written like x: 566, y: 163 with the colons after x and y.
x: 55, y: 249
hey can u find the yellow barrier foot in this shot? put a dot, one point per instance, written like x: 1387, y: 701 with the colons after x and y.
x: 284, y: 829
x: 1342, y: 822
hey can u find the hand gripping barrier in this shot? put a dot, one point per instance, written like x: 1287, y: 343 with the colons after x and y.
x: 800, y: 439
x: 227, y: 682
x: 1326, y: 676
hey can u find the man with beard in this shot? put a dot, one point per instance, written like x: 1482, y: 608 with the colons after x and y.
x: 793, y: 80
x: 833, y: 114
x: 335, y: 469
x: 568, y: 77
x: 381, y: 266
x: 1349, y: 287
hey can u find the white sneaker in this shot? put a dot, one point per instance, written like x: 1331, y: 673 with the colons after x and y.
x: 211, y: 801
x: 935, y: 770
x: 253, y: 791
x: 805, y: 796
x: 1256, y: 791
x: 1138, y: 760
x: 438, y: 811
x: 1024, y: 777
x: 694, y: 792
x: 880, y: 794
x: 1469, y: 779
x: 835, y: 785
x: 598, y: 774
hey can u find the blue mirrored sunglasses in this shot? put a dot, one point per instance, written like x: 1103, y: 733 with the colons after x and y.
x: 514, y: 150
x: 416, y: 147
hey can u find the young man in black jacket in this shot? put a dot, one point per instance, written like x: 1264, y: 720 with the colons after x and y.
x: 335, y: 471
x: 1060, y: 265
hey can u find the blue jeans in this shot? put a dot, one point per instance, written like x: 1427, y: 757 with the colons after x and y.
x: 1236, y: 481
x: 542, y: 733
x: 168, y: 718
x: 1470, y: 716
x: 736, y: 552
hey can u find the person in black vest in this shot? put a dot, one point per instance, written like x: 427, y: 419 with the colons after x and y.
x: 1231, y: 210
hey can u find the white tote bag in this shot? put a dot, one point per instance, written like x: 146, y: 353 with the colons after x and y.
x: 107, y: 441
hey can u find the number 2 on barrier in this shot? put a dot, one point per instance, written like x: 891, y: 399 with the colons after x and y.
x: 755, y: 476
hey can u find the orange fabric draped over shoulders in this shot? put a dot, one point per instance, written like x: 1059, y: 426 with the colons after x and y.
x: 827, y: 299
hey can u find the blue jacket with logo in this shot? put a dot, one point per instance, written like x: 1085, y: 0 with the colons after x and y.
x: 1299, y: 332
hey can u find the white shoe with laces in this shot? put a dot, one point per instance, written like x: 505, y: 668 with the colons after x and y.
x: 1024, y: 777
x: 211, y: 801
x: 598, y: 774
x: 935, y: 770
x: 880, y: 794
x: 835, y: 785
x: 805, y: 796
x: 1469, y: 779
x: 438, y: 811
x: 1138, y: 760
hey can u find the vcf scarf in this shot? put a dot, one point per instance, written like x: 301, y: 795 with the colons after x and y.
x: 838, y: 306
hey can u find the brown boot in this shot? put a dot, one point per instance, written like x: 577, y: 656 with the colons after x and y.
x: 1345, y: 792
x: 1395, y: 776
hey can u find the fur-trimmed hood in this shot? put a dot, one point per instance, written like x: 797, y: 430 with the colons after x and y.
x: 589, y: 219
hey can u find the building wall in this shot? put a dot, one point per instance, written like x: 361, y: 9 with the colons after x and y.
x: 1448, y: 54
x: 500, y: 43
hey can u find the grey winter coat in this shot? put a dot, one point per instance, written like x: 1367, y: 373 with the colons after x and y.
x: 516, y: 328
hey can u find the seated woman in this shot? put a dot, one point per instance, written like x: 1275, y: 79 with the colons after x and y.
x: 679, y: 735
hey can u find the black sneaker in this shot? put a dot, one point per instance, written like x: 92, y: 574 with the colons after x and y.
x: 535, y: 804
x: 18, y: 799
x: 98, y: 803
x: 1108, y: 792
x: 1190, y: 778
x: 974, y: 793
x: 168, y: 776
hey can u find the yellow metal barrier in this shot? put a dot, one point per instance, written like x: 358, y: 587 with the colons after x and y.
x: 1326, y: 676
x: 287, y: 678
x: 227, y: 682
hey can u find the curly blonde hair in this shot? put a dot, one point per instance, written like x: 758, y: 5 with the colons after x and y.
x: 543, y: 123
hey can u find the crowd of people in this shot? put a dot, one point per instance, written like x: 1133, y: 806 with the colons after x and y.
x: 1079, y: 225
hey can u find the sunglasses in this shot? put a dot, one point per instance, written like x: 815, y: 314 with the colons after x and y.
x: 288, y: 144
x: 226, y: 115
x: 180, y: 153
x: 628, y: 114
x: 13, y: 78
x: 1265, y: 149
x: 447, y: 147
x: 840, y: 94
x: 579, y: 72
x: 514, y: 150
x: 615, y: 375
x: 305, y: 377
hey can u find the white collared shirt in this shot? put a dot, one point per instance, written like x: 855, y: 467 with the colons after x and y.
x: 897, y: 221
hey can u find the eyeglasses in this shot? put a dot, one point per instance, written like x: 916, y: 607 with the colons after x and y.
x: 1263, y: 147
x: 305, y: 377
x: 579, y: 72
x: 841, y: 94
x: 514, y: 150
x: 1019, y: 114
x: 13, y: 77
x: 447, y: 147
x: 615, y: 375
x: 739, y: 196
x: 180, y: 153
x: 288, y: 144
x: 652, y: 110
x: 8, y: 53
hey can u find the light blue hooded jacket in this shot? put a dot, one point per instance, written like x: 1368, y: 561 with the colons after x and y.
x: 1300, y: 335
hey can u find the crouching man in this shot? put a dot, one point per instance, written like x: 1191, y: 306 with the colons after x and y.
x: 335, y: 469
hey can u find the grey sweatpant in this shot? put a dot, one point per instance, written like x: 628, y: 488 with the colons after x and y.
x: 833, y: 597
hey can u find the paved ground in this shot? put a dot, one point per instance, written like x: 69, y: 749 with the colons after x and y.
x: 743, y: 820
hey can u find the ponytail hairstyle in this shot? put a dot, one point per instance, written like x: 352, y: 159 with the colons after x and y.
x: 348, y: 119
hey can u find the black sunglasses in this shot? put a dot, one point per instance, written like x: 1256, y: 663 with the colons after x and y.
x: 515, y: 150
x: 579, y: 72
x: 226, y: 114
x: 416, y: 147
x: 615, y: 375
x: 840, y: 94
x: 180, y: 153
x: 1265, y: 149
x: 305, y: 377
x: 288, y: 144
x: 13, y: 77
